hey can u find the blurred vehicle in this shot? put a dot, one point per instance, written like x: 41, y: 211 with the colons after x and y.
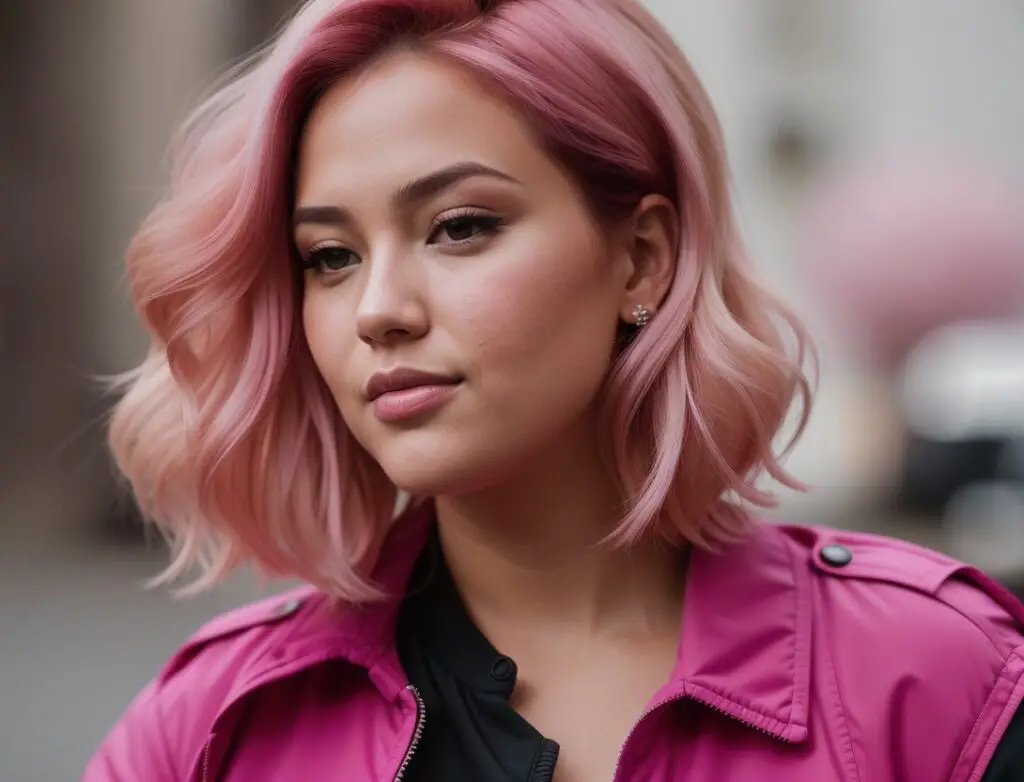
x: 962, y: 399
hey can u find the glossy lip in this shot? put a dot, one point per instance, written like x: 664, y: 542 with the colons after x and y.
x: 405, y: 393
x: 403, y: 379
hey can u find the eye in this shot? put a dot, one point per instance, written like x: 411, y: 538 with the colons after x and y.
x: 464, y: 226
x: 329, y: 258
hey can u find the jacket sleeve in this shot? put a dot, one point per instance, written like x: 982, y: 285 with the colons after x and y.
x: 135, y: 750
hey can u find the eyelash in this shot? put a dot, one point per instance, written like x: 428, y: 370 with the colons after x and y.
x: 487, y: 224
x: 313, y: 262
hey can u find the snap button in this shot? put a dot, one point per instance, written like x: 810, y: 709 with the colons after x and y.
x: 503, y: 668
x: 836, y: 555
x: 288, y: 607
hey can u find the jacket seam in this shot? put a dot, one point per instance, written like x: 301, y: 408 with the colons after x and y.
x: 988, y: 748
x: 801, y: 643
x: 881, y: 541
x: 843, y: 722
x: 274, y: 630
x: 872, y: 572
x: 974, y: 622
x: 752, y: 713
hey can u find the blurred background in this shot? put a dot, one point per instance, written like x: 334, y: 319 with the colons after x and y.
x: 878, y: 164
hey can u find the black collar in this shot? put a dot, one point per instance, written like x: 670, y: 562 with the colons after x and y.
x: 436, y: 617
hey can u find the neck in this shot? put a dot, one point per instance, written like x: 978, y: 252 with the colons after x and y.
x: 530, y: 554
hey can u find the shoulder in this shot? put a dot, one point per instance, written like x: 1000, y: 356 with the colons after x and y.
x: 911, y: 643
x: 167, y: 724
x: 206, y: 672
x: 237, y: 634
x: 922, y: 590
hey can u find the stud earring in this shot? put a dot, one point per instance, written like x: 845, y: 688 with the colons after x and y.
x: 641, y: 316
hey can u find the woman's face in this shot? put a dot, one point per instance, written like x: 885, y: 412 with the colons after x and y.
x: 460, y: 302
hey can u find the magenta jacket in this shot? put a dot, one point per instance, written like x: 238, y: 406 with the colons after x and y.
x: 807, y: 655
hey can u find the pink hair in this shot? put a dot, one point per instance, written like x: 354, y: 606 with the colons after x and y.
x: 227, y: 434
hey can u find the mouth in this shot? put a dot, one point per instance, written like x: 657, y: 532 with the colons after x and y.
x: 406, y: 393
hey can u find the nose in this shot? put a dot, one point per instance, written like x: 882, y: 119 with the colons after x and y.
x: 392, y: 308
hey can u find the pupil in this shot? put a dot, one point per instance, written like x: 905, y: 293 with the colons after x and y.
x: 460, y: 228
x: 336, y: 257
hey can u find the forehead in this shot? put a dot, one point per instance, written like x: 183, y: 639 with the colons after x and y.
x: 404, y: 116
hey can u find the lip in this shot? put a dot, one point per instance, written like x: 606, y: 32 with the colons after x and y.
x: 405, y: 392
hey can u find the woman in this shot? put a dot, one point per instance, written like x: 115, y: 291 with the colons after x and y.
x: 484, y: 258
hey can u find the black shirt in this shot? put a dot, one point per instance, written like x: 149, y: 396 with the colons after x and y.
x: 1007, y: 764
x: 472, y: 733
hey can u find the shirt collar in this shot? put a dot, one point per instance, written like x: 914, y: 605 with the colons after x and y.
x: 440, y: 627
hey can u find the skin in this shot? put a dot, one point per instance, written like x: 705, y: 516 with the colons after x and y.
x: 508, y: 282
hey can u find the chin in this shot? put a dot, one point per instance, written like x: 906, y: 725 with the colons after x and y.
x: 430, y: 469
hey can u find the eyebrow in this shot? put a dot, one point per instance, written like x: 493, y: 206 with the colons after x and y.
x: 407, y: 195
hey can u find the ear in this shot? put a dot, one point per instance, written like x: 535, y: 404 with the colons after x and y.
x: 649, y: 250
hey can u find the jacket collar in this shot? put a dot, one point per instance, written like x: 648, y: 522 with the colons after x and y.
x: 746, y: 645
x: 746, y: 640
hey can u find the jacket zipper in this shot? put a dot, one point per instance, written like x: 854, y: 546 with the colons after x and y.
x: 651, y: 709
x: 740, y: 720
x: 417, y: 734
x: 206, y: 757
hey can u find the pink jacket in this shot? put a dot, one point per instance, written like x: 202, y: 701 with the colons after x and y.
x: 808, y: 655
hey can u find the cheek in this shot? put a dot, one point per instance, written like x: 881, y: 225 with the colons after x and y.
x: 327, y: 330
x: 543, y: 322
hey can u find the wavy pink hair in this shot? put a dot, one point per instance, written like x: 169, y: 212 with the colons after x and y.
x: 227, y: 434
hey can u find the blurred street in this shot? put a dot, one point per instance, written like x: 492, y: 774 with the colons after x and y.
x: 81, y: 637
